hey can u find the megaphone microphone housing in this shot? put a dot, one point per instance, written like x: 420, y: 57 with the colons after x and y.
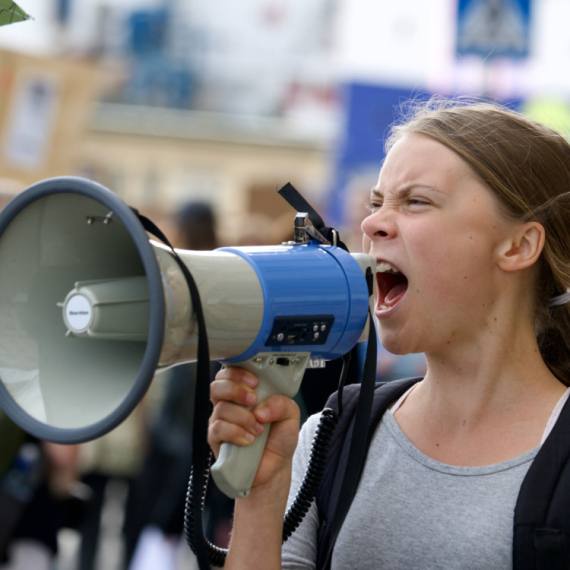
x: 91, y: 308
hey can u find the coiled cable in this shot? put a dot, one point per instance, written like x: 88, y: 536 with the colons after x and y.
x: 315, y: 469
x: 297, y: 510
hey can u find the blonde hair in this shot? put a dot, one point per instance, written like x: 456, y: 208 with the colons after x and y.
x: 527, y: 166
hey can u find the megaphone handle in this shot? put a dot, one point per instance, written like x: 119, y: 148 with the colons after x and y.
x: 236, y: 466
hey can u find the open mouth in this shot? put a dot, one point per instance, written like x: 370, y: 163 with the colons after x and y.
x: 392, y: 285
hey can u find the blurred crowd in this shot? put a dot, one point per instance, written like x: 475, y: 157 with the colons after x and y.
x: 49, y: 492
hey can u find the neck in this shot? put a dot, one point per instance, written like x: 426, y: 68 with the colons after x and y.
x: 499, y: 369
x: 487, y: 395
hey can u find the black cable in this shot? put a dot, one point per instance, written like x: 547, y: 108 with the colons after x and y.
x: 193, y: 532
x: 295, y: 513
x: 312, y: 479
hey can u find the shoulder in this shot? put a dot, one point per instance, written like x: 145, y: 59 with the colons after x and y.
x: 306, y: 436
x: 382, y: 390
x: 309, y: 428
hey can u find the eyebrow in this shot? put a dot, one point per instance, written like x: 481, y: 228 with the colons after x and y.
x: 406, y: 190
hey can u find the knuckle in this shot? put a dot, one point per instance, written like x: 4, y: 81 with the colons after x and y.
x: 216, y: 426
x: 246, y: 397
x: 233, y: 374
x: 224, y: 408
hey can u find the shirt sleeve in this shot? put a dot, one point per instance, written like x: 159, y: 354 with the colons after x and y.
x: 300, y: 550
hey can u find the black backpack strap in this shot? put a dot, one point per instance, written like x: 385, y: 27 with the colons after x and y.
x: 349, y: 400
x: 332, y: 501
x: 541, y: 538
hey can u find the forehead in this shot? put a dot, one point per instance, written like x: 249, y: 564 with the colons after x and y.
x: 416, y: 159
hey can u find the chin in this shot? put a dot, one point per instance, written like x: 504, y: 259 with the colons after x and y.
x: 397, y: 346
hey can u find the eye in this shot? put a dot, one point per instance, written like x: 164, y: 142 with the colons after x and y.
x: 373, y: 207
x: 414, y: 201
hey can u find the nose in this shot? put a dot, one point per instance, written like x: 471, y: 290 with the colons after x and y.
x: 378, y: 226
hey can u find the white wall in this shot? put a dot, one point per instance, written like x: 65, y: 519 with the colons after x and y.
x: 550, y: 67
x: 392, y: 41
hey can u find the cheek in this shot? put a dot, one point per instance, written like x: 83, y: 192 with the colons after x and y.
x: 453, y: 273
x: 366, y: 243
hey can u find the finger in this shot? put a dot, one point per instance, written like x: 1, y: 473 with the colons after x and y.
x: 276, y: 408
x: 238, y: 375
x: 221, y: 431
x: 234, y: 414
x: 225, y: 390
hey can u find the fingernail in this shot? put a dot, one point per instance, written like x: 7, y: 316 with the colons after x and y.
x: 251, y: 398
x: 249, y: 437
x: 258, y: 428
x: 251, y: 380
x: 262, y: 413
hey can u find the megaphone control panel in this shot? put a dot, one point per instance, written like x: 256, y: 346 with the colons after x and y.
x: 301, y: 330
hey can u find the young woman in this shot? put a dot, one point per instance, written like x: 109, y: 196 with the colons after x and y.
x: 470, y: 224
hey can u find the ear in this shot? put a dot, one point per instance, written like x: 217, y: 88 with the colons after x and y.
x: 523, y: 247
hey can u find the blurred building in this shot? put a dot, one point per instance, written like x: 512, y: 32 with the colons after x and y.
x: 155, y: 158
x: 228, y: 100
x: 158, y: 159
x: 261, y: 57
x: 45, y: 106
x: 193, y: 100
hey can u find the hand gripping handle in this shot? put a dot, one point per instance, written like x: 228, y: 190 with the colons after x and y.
x: 278, y: 373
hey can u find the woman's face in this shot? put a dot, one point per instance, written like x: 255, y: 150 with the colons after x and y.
x: 440, y: 227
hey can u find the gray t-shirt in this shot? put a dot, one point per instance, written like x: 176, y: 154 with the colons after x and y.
x: 411, y: 511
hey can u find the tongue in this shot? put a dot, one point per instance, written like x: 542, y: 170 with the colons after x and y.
x: 395, y: 292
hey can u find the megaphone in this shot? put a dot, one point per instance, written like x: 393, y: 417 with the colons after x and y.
x: 91, y: 308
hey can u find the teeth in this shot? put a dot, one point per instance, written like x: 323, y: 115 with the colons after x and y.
x: 385, y: 267
x: 386, y: 305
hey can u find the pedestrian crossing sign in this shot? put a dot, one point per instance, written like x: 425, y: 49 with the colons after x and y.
x: 493, y: 28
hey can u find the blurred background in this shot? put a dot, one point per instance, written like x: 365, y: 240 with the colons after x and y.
x: 218, y: 103
x: 169, y: 100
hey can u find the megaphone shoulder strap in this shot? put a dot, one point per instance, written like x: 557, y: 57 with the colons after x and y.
x: 200, y: 449
x: 294, y: 198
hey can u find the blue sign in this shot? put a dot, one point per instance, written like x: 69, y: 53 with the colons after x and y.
x: 370, y: 110
x: 493, y: 28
